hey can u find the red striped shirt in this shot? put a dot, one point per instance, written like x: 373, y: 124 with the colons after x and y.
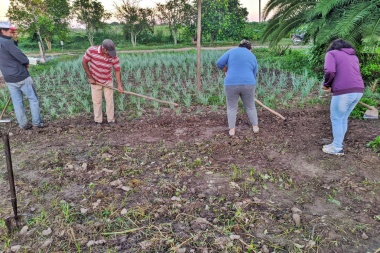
x: 100, y: 66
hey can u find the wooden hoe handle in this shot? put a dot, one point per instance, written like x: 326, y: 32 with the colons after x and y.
x: 272, y: 111
x: 142, y: 96
x: 5, y: 108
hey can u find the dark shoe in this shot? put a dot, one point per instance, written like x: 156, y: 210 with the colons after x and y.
x: 41, y: 125
x: 98, y: 124
x: 113, y: 123
x: 27, y: 127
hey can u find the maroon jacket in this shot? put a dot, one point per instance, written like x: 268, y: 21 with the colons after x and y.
x: 342, y: 72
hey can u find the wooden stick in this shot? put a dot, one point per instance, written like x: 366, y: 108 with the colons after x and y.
x: 5, y: 108
x: 272, y: 111
x: 139, y: 95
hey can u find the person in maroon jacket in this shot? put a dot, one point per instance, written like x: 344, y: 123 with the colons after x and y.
x: 343, y: 79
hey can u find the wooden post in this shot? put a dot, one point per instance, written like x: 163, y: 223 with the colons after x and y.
x: 199, y: 83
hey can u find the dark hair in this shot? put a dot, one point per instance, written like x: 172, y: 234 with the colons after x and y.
x: 245, y: 43
x: 338, y: 44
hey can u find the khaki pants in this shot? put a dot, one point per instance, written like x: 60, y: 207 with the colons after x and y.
x: 97, y: 92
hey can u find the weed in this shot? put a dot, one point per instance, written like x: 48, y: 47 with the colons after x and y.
x: 331, y: 198
x: 236, y: 174
x: 375, y: 145
x: 65, y: 209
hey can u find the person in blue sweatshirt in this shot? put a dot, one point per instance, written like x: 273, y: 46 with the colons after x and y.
x: 241, y: 68
x: 14, y: 66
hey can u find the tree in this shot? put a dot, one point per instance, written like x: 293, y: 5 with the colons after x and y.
x: 288, y: 15
x: 91, y: 13
x: 356, y: 21
x: 134, y: 18
x: 44, y: 17
x: 174, y: 13
x: 223, y: 18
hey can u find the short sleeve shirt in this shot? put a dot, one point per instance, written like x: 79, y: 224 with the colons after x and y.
x: 100, y: 66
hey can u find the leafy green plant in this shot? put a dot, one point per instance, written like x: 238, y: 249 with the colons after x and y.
x: 375, y: 144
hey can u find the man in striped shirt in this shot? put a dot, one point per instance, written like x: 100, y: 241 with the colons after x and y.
x: 98, y: 62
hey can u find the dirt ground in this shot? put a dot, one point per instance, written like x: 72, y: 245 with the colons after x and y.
x: 172, y: 182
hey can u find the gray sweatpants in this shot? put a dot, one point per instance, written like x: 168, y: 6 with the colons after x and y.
x: 247, y: 94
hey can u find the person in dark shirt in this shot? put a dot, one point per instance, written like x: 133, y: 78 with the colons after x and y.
x: 14, y: 66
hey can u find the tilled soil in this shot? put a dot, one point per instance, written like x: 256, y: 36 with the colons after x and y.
x: 173, y: 182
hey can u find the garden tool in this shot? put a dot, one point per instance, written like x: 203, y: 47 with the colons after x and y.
x: 5, y: 108
x: 272, y: 111
x: 142, y: 96
x: 371, y: 113
x: 16, y: 220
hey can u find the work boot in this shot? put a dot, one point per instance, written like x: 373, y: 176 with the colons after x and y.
x: 41, y: 125
x: 26, y: 127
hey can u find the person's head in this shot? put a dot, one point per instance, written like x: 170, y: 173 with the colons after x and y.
x: 109, y: 47
x: 245, y: 43
x: 5, y: 28
x: 338, y: 44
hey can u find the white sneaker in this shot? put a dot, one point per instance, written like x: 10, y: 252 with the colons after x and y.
x: 232, y: 132
x: 255, y: 129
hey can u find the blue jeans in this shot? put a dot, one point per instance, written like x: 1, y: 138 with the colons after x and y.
x: 340, y: 108
x: 17, y: 90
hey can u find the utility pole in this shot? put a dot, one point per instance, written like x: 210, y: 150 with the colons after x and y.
x: 259, y: 11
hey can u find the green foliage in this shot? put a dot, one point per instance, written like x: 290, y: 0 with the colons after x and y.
x: 359, y: 110
x: 134, y: 19
x: 90, y: 13
x: 254, y: 30
x: 375, y: 145
x: 223, y: 19
x: 325, y: 20
x: 278, y: 50
x: 295, y: 61
x: 175, y: 13
x: 47, y: 18
x: 288, y: 16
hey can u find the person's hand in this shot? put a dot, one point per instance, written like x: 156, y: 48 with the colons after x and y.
x: 14, y: 36
x: 326, y: 89
x: 120, y: 89
x: 91, y: 80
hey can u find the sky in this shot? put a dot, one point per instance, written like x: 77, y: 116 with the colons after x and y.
x: 251, y: 5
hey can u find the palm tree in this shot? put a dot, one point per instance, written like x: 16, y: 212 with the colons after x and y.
x: 357, y: 21
x: 288, y: 15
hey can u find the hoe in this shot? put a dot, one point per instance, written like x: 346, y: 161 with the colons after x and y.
x: 17, y: 220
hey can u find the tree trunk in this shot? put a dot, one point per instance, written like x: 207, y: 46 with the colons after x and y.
x: 90, y: 34
x: 42, y: 45
x: 175, y: 37
x: 48, y: 44
x: 133, y: 39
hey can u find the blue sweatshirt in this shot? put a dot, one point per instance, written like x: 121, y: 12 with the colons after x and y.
x: 12, y: 61
x: 242, y: 66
